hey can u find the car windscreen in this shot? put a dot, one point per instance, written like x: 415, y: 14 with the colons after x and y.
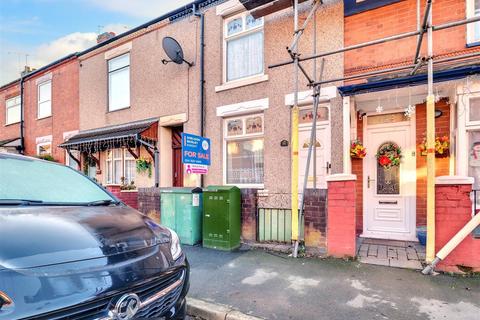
x: 24, y: 178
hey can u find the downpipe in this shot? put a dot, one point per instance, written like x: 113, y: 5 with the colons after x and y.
x: 453, y: 243
x: 201, y: 15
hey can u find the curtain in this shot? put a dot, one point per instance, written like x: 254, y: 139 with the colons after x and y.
x: 245, y: 56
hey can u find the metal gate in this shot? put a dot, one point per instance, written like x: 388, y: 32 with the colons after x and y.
x: 275, y: 225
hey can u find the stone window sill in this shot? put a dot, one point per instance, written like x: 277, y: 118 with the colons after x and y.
x: 241, y: 83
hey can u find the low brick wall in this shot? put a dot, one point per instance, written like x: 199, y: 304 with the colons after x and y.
x: 341, y: 225
x: 249, y: 214
x: 129, y: 197
x: 453, y: 211
x: 149, y: 202
x: 315, y: 218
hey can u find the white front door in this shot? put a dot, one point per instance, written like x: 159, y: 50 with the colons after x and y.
x: 323, y: 157
x: 390, y: 194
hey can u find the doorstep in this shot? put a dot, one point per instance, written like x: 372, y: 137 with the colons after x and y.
x: 391, y: 253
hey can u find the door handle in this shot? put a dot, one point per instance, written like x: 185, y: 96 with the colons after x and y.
x: 329, y: 166
x: 368, y: 181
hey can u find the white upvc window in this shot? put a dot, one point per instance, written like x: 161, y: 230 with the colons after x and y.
x: 120, y: 166
x: 244, y: 151
x: 119, y: 82
x: 44, y: 149
x: 473, y: 29
x: 243, y: 47
x: 44, y: 99
x: 13, y: 110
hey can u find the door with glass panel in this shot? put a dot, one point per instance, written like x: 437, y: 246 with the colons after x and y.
x: 389, y: 189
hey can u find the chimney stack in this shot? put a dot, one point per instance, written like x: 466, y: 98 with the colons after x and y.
x: 105, y: 36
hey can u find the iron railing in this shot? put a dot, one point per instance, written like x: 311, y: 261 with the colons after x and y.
x: 274, y: 225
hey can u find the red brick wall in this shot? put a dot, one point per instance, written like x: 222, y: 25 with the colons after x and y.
x: 129, y: 197
x: 315, y: 217
x: 400, y: 18
x: 13, y: 130
x: 65, y: 108
x: 249, y: 214
x: 341, y: 235
x: 442, y: 128
x: 453, y: 211
x: 357, y: 169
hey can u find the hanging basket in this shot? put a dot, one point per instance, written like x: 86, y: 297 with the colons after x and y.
x: 389, y: 155
x: 442, y: 147
x: 357, y: 150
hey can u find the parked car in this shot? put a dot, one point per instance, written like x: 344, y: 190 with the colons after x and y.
x: 71, y: 250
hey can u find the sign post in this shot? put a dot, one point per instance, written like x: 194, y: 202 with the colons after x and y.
x: 195, y: 153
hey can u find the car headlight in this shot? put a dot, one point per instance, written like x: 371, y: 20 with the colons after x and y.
x: 175, y: 248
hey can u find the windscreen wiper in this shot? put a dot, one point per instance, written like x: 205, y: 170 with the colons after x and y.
x: 102, y: 203
x: 20, y: 202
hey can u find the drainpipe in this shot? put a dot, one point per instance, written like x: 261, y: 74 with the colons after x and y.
x: 22, y: 117
x: 199, y: 14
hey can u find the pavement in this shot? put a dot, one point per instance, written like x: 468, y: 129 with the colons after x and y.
x: 274, y: 286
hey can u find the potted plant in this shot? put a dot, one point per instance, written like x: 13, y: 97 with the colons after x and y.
x: 442, y: 147
x: 357, y: 150
x: 124, y: 185
x: 144, y: 165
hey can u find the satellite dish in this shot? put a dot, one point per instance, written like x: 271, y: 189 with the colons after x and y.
x: 174, y: 51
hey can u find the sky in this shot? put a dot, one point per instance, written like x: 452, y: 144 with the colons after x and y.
x: 41, y: 31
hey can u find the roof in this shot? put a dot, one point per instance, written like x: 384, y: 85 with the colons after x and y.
x: 405, y: 81
x: 10, y: 143
x: 110, y: 135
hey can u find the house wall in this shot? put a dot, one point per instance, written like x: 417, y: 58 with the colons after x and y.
x: 277, y: 125
x: 159, y: 90
x: 13, y: 130
x: 399, y: 18
x: 65, y: 108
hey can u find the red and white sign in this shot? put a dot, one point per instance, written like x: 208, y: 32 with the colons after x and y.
x: 196, y: 168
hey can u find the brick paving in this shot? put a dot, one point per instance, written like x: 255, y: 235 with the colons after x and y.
x: 392, y: 253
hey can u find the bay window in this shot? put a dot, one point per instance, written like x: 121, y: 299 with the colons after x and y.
x: 119, y: 82
x: 244, y: 151
x: 44, y: 99
x: 13, y: 110
x: 243, y: 42
x: 120, y: 166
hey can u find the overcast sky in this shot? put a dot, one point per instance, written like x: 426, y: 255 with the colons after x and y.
x: 46, y: 30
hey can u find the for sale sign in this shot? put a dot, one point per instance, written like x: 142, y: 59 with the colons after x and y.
x: 195, y: 150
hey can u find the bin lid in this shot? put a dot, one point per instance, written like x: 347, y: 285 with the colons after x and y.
x: 181, y: 190
x: 221, y: 188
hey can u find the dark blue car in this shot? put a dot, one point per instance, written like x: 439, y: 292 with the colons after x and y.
x: 71, y: 250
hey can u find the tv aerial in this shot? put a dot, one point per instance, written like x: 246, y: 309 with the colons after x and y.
x: 174, y: 51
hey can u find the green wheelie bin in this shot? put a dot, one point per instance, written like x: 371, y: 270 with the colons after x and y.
x: 181, y: 210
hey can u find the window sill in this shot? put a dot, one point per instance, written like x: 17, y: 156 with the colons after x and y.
x: 241, y: 82
x: 46, y: 117
x: 246, y: 186
x: 11, y: 124
x: 473, y: 44
x: 110, y: 111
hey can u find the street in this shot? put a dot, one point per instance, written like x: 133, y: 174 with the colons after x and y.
x: 278, y: 287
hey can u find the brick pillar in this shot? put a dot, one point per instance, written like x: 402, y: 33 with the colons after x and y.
x: 249, y: 214
x: 315, y: 217
x: 341, y: 235
x: 149, y: 202
x: 453, y: 209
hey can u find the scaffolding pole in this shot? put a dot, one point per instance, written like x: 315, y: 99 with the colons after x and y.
x: 430, y: 250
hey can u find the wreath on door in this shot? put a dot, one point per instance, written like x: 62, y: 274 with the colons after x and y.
x: 389, y: 155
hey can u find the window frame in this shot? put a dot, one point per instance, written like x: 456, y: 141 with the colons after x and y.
x: 44, y: 144
x: 127, y: 156
x: 470, y: 28
x: 109, y: 72
x: 67, y: 159
x: 110, y: 161
x: 19, y: 105
x: 243, y: 33
x: 468, y: 122
x: 243, y: 137
x: 47, y: 82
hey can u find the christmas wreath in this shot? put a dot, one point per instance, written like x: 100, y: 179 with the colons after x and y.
x: 389, y: 155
